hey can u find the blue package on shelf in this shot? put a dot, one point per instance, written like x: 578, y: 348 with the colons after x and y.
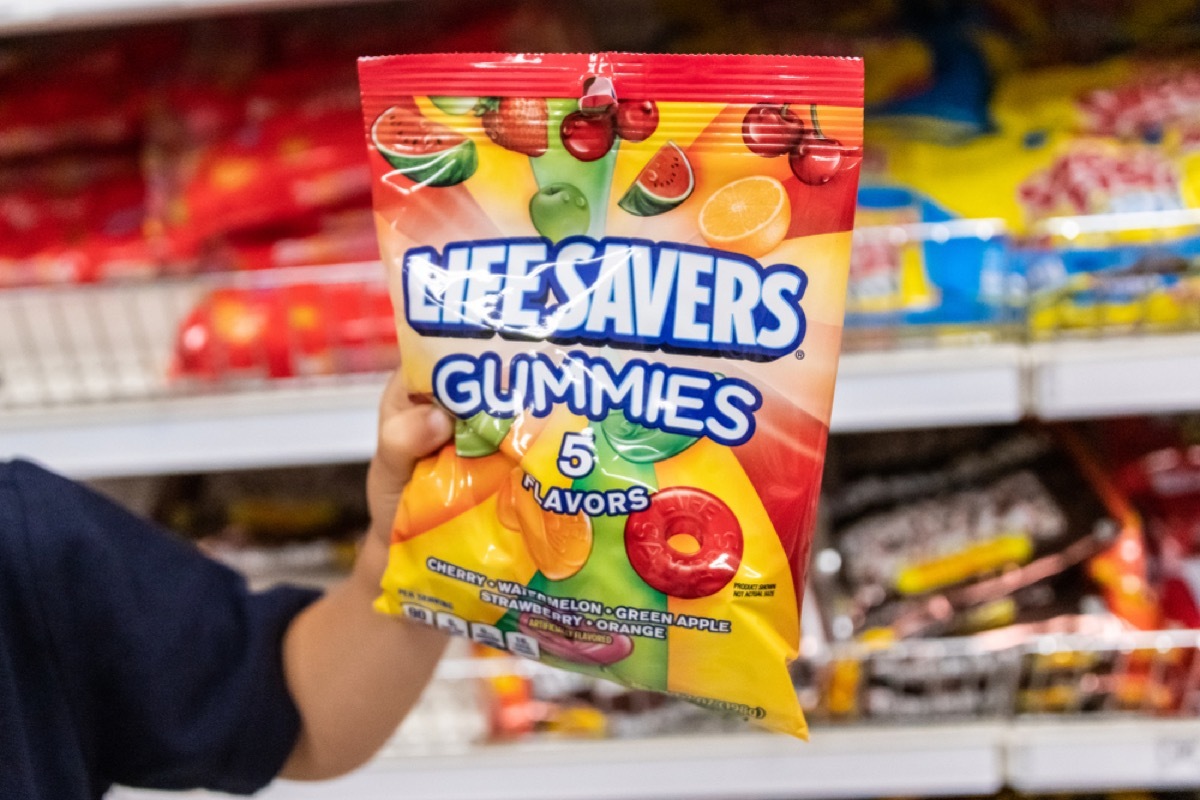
x: 955, y: 105
x: 917, y: 270
x: 1114, y: 274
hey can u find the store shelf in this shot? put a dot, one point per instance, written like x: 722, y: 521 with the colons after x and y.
x: 332, y: 420
x: 35, y: 16
x: 314, y: 423
x: 845, y: 763
x: 948, y: 760
x: 928, y: 388
x: 1111, y: 377
x: 84, y: 385
x: 1079, y: 757
x: 938, y: 760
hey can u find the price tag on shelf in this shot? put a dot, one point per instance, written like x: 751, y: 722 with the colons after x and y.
x: 1177, y: 758
x: 1099, y: 755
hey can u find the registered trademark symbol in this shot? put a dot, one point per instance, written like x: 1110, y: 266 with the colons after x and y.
x: 799, y: 355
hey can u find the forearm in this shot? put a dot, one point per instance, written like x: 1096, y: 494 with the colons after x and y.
x: 353, y: 672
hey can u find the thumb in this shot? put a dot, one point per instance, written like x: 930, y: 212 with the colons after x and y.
x: 405, y: 435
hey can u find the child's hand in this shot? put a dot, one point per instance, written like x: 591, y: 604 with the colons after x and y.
x: 407, y: 432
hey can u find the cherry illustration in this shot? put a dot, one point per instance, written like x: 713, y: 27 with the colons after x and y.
x: 636, y: 119
x: 770, y: 130
x: 588, y: 136
x: 817, y: 159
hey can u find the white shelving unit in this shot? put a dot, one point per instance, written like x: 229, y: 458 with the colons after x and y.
x: 333, y: 420
x: 1044, y: 756
x: 937, y: 760
x: 845, y: 763
x: 1110, y: 377
x: 918, y: 388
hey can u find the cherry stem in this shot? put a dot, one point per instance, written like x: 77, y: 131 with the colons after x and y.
x: 812, y: 112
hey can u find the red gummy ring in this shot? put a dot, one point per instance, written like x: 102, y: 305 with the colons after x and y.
x: 684, y: 510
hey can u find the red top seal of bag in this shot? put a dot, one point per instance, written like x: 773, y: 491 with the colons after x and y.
x: 730, y: 78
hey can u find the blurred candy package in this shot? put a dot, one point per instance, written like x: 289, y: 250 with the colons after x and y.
x: 917, y: 274
x: 1161, y: 475
x: 952, y: 103
x: 930, y: 257
x: 286, y: 329
x: 73, y: 220
x: 1132, y: 99
x: 85, y: 93
x: 1133, y: 273
x: 1113, y: 220
x: 284, y: 148
x: 988, y: 534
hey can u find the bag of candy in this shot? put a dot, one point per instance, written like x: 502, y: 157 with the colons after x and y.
x: 625, y: 276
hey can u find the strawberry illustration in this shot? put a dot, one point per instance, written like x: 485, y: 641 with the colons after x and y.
x: 516, y: 123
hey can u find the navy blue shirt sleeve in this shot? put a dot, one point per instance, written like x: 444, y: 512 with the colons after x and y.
x: 172, y: 668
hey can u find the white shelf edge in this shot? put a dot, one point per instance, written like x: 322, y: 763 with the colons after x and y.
x: 1034, y: 756
x: 1116, y: 376
x: 333, y: 420
x: 928, y: 388
x: 849, y: 763
x: 272, y: 428
x: 1151, y: 754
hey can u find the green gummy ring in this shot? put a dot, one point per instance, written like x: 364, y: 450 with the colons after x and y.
x: 480, y: 435
x: 642, y: 445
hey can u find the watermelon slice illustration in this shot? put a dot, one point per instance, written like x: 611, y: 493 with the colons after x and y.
x: 426, y: 152
x: 665, y: 182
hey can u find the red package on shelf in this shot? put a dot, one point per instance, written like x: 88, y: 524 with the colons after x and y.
x: 1122, y: 569
x: 32, y: 122
x: 287, y: 149
x: 73, y: 220
x: 79, y: 91
x: 1165, y: 484
x: 341, y: 237
x: 287, y: 331
x: 281, y: 170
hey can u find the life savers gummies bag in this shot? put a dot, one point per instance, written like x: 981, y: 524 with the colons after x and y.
x: 625, y: 276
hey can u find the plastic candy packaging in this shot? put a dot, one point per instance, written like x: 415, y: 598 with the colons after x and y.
x: 71, y: 219
x: 275, y: 155
x: 286, y: 330
x: 969, y: 531
x: 625, y: 276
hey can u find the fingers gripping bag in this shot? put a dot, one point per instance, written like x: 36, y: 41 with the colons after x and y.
x: 625, y: 276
